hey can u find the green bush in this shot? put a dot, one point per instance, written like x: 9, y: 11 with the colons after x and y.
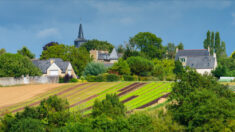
x: 150, y: 78
x: 27, y: 125
x: 99, y: 78
x: 112, y: 78
x: 73, y: 80
x: 94, y: 68
x: 140, y: 122
x: 128, y: 78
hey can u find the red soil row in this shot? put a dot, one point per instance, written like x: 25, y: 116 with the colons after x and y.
x: 130, y: 98
x: 153, y: 102
x: 85, y: 100
x: 127, y: 87
x: 131, y: 88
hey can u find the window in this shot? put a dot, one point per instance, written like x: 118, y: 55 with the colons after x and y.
x: 182, y: 59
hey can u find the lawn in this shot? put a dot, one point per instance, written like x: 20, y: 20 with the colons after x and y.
x: 135, y: 95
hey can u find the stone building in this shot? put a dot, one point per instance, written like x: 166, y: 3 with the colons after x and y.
x: 199, y: 59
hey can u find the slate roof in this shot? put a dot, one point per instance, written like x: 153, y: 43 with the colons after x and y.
x: 43, y: 65
x: 201, y: 62
x: 107, y: 56
x: 200, y: 52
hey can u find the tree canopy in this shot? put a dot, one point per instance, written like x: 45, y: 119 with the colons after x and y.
x: 98, y: 45
x: 26, y: 52
x: 121, y: 67
x: 16, y: 65
x: 199, y: 101
x: 148, y: 43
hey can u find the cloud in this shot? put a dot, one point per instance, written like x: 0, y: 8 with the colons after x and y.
x: 49, y: 32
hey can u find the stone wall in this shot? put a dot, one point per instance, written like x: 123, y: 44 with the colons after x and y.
x: 8, y: 81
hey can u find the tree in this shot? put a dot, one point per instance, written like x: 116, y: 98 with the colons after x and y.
x: 199, y: 99
x: 212, y: 44
x: 140, y: 65
x: 2, y: 51
x: 121, y: 67
x: 94, y: 68
x: 171, y: 50
x: 207, y: 41
x: 26, y: 52
x: 97, y: 45
x: 15, y: 65
x: 217, y: 45
x: 50, y: 44
x: 148, y: 43
x: 233, y: 55
x: 28, y: 125
x: 163, y: 68
x: 110, y: 106
x: 220, y: 71
x: 56, y: 51
x: 78, y: 57
x: 223, y: 49
x: 180, y: 46
x: 121, y: 49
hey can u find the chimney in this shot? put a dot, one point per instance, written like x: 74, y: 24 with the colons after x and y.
x: 51, y: 61
x: 177, y: 49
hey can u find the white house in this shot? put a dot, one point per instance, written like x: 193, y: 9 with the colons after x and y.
x: 199, y: 59
x: 55, y: 67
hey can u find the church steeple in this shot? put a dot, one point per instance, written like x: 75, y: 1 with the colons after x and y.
x: 80, y: 33
x: 80, y: 39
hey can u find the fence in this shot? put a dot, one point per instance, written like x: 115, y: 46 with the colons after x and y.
x: 8, y: 81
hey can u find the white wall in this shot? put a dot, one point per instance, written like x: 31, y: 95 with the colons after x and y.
x: 203, y: 71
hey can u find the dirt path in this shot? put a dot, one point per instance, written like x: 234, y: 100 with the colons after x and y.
x: 16, y: 94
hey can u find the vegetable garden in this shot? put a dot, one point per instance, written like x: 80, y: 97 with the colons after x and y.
x: 135, y: 95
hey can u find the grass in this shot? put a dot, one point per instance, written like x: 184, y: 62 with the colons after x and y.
x: 78, y: 92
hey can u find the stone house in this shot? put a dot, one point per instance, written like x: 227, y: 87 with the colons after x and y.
x: 55, y: 67
x: 199, y: 59
x: 105, y: 57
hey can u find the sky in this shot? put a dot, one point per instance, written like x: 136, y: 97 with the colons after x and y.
x: 34, y: 23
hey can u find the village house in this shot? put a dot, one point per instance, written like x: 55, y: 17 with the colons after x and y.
x: 105, y: 57
x: 199, y: 59
x: 55, y: 67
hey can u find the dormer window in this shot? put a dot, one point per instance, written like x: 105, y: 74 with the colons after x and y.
x: 182, y: 59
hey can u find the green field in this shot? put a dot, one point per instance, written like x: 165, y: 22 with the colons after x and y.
x: 82, y: 95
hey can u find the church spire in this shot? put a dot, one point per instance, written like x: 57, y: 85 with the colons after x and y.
x: 80, y: 33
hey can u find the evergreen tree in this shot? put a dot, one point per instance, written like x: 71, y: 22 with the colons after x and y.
x: 217, y: 44
x: 180, y: 46
x: 207, y: 41
x: 223, y: 49
x: 212, y: 43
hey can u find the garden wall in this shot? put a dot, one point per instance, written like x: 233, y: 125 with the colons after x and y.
x: 8, y: 81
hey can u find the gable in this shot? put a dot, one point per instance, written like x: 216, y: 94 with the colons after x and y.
x: 53, y: 67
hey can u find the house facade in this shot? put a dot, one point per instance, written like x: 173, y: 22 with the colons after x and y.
x: 55, y: 67
x: 199, y: 59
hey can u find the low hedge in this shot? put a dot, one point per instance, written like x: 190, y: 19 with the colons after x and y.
x: 112, y: 78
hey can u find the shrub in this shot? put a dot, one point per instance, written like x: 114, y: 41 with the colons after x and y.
x: 94, y: 68
x: 73, y: 80
x: 112, y: 77
x: 121, y: 67
x: 110, y: 106
x: 128, y: 78
x: 151, y: 78
x: 99, y: 78
x: 139, y: 65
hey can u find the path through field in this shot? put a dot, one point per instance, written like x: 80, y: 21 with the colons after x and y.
x: 16, y: 94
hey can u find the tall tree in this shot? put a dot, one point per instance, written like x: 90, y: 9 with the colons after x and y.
x: 212, y: 43
x: 26, y: 52
x: 207, y: 41
x: 50, y: 44
x: 223, y: 49
x: 217, y: 44
x: 148, y: 43
x: 180, y: 46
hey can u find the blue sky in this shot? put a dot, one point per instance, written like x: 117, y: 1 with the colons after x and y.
x: 34, y: 23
